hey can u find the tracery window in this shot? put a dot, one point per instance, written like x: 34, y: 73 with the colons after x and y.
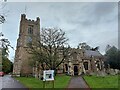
x: 75, y: 55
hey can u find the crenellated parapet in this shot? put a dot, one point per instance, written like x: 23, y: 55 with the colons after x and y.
x: 23, y: 18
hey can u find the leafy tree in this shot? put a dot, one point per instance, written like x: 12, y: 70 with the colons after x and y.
x: 5, y: 65
x: 4, y: 48
x: 107, y: 48
x: 113, y: 58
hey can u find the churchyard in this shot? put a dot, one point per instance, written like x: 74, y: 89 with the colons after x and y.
x: 62, y: 81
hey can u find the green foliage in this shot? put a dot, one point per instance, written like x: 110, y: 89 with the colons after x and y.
x: 61, y: 81
x: 4, y: 52
x: 113, y: 58
x: 7, y: 65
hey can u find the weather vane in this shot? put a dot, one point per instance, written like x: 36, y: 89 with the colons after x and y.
x: 25, y: 9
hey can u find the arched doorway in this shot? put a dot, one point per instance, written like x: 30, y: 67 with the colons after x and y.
x: 66, y: 67
x: 75, y: 70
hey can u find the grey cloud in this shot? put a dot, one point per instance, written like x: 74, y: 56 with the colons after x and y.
x: 82, y: 22
x: 93, y: 13
x: 104, y: 8
x: 63, y: 1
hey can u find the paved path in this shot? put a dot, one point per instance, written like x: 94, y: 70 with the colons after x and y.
x: 78, y: 82
x: 8, y: 82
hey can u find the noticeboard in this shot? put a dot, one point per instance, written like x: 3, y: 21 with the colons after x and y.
x: 48, y: 75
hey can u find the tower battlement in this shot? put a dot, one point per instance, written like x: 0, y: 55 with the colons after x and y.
x: 23, y: 18
x: 28, y: 32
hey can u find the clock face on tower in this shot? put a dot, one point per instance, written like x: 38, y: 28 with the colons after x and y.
x: 29, y: 39
x: 19, y: 43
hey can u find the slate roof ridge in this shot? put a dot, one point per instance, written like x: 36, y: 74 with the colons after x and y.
x: 92, y: 53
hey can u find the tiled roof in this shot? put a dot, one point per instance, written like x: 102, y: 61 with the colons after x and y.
x: 90, y: 53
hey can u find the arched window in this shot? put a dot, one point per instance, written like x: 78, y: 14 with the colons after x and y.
x: 75, y: 55
x: 98, y: 65
x: 30, y: 30
x: 85, y: 65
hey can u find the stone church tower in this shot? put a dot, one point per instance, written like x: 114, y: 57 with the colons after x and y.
x: 28, y: 32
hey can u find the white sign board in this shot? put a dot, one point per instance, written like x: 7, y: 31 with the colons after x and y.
x: 48, y: 75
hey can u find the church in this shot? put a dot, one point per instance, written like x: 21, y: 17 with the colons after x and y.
x: 81, y: 60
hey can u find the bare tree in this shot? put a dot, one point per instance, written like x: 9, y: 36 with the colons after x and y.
x: 51, y: 49
x: 2, y: 19
x: 84, y: 46
x: 2, y: 15
x: 87, y: 47
x: 95, y: 49
x: 4, y: 43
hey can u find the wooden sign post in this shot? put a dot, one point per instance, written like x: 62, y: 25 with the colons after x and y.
x: 48, y: 75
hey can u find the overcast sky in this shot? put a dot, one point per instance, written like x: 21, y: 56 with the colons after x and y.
x: 95, y: 23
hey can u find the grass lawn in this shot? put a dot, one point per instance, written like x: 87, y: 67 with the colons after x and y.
x: 102, y: 82
x: 61, y: 81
